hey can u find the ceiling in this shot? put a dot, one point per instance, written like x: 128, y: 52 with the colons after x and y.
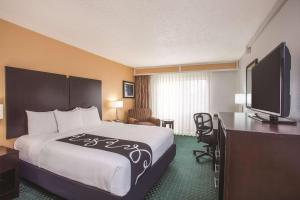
x: 145, y: 32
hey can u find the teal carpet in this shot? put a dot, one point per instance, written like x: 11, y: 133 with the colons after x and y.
x: 184, y: 180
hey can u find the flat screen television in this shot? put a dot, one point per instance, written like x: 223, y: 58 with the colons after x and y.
x: 268, y: 84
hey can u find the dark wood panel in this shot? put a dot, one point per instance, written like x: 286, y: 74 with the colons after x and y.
x: 31, y: 90
x: 263, y: 166
x: 260, y: 160
x: 241, y: 121
x: 85, y: 93
x: 9, y: 173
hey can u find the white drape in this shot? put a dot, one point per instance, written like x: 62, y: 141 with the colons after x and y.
x: 178, y: 96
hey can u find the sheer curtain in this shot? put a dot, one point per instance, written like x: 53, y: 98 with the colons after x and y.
x: 178, y: 96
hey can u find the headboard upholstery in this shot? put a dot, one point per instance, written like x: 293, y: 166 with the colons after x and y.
x: 41, y: 91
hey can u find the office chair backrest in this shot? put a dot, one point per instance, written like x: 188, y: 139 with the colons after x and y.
x: 203, y: 122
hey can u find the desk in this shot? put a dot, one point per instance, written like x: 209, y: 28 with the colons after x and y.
x: 258, y: 161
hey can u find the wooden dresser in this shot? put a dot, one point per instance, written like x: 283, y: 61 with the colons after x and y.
x: 258, y: 161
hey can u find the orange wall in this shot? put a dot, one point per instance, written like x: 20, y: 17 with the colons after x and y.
x: 20, y: 47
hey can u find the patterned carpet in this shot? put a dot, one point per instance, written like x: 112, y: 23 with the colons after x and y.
x: 185, y: 179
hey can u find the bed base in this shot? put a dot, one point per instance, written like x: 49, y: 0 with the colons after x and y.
x: 74, y: 190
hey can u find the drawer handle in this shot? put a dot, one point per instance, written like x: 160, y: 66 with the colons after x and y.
x: 216, y: 180
x: 217, y: 168
x: 217, y: 154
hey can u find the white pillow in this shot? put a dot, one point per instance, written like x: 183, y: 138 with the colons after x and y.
x: 41, y: 122
x: 90, y: 116
x: 68, y: 120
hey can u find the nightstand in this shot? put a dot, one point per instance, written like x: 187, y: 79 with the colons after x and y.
x: 116, y: 121
x: 168, y: 122
x: 9, y: 173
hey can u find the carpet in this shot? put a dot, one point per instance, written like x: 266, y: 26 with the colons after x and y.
x: 184, y: 180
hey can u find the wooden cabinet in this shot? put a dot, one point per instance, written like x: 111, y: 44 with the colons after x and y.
x: 9, y: 173
x: 258, y: 161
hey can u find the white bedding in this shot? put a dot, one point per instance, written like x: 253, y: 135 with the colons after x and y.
x: 102, y: 169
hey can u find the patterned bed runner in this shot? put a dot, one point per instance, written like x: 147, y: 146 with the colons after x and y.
x: 139, y: 154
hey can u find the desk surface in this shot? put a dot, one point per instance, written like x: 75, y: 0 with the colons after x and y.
x: 235, y: 121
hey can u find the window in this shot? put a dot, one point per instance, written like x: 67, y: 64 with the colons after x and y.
x: 178, y: 96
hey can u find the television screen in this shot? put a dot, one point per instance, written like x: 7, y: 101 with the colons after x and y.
x: 268, y: 83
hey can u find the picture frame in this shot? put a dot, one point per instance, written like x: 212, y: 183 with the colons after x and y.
x: 128, y: 89
x: 249, y: 83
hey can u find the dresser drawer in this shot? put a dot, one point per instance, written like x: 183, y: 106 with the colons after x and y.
x: 216, y: 182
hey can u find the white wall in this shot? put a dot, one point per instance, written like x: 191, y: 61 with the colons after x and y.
x: 223, y: 86
x: 284, y: 27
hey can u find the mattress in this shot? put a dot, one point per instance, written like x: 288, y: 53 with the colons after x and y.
x: 102, y: 169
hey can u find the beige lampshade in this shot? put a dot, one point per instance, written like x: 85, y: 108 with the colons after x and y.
x: 240, y: 99
x: 117, y: 104
x: 1, y: 111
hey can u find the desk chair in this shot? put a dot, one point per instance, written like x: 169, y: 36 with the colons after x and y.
x: 205, y: 134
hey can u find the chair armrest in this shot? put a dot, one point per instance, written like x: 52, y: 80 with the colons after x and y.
x: 132, y: 120
x: 154, y: 121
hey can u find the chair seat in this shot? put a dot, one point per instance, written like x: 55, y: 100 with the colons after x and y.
x: 145, y: 123
x: 208, y: 139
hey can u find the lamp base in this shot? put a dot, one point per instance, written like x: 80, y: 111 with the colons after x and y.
x: 272, y: 119
x: 117, y: 117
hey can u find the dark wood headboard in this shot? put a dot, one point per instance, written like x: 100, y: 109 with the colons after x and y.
x: 83, y: 87
x: 42, y: 91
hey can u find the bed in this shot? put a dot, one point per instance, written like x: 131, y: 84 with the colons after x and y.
x: 70, y: 171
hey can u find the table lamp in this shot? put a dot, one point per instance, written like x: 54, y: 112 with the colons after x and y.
x: 1, y: 111
x: 240, y: 99
x: 117, y: 105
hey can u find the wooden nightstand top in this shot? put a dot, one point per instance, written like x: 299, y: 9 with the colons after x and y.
x: 6, y: 151
x: 115, y: 121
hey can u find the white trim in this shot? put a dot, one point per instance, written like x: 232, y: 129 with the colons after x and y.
x: 187, y: 64
x: 208, y: 70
